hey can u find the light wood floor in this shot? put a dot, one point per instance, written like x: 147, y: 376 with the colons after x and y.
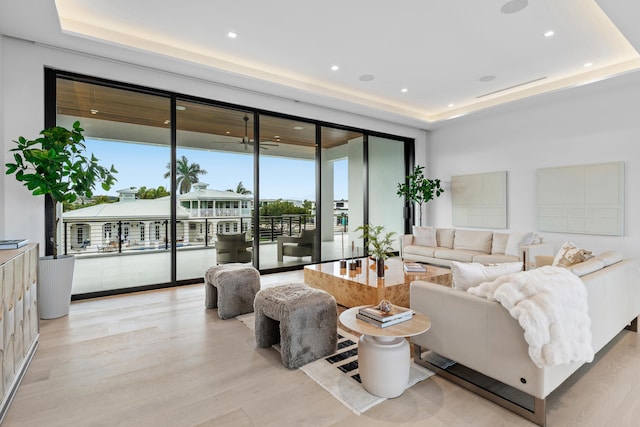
x: 160, y: 359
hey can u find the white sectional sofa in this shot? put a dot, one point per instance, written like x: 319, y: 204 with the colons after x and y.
x: 440, y: 246
x: 481, y: 334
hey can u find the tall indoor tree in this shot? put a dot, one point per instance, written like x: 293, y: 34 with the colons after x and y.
x: 186, y: 174
x: 56, y: 166
x: 419, y: 189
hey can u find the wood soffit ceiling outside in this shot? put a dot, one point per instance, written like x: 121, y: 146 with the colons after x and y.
x: 79, y: 99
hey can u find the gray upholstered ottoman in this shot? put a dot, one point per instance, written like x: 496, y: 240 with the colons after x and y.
x: 303, y: 319
x: 231, y: 288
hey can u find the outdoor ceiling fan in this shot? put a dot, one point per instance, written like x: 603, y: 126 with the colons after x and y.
x: 246, y: 141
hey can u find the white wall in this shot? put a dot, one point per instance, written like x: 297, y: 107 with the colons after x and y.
x: 22, y: 73
x: 590, y: 124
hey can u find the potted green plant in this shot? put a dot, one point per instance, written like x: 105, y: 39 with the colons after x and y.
x: 379, y: 244
x: 55, y: 166
x: 419, y: 189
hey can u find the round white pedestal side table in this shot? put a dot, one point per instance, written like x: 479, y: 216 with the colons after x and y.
x: 384, y: 357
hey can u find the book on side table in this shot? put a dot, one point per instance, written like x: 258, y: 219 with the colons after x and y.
x: 13, y: 244
x: 375, y: 316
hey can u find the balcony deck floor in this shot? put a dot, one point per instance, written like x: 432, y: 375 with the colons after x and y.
x: 141, y: 268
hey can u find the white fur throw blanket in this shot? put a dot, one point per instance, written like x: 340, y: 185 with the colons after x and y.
x: 550, y: 303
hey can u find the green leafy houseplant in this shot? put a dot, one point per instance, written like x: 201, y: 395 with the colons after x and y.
x: 419, y: 189
x: 380, y: 243
x: 54, y: 165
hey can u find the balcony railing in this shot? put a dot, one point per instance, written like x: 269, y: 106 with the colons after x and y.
x: 137, y: 234
x: 217, y: 212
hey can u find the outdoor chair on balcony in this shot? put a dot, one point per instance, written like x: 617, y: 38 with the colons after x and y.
x: 298, y: 246
x: 233, y: 248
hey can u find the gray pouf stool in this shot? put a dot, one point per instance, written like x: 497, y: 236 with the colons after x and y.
x: 303, y: 319
x: 231, y: 288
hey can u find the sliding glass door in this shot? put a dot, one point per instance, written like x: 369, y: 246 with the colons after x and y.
x: 386, y: 167
x: 130, y: 130
x: 287, y: 205
x: 214, y: 172
x: 342, y: 196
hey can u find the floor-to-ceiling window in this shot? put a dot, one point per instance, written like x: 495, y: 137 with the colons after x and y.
x: 342, y: 198
x: 190, y: 172
x: 214, y: 171
x: 386, y: 168
x: 121, y: 128
x: 287, y: 193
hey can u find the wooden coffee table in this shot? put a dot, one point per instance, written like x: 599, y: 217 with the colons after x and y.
x: 352, y: 288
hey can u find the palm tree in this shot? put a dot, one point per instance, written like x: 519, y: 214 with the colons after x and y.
x: 186, y: 174
x: 240, y: 189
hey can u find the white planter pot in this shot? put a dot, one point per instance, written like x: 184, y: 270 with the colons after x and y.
x: 55, y: 278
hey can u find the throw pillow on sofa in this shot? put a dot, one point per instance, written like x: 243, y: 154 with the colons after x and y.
x: 499, y: 243
x: 424, y: 236
x: 467, y: 275
x: 569, y: 254
x: 445, y: 236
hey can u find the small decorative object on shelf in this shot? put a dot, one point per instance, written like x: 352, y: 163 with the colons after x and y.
x: 13, y: 244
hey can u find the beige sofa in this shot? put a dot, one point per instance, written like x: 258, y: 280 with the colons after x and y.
x: 440, y: 246
x: 482, y: 335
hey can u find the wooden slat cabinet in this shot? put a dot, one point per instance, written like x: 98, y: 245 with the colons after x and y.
x: 19, y: 329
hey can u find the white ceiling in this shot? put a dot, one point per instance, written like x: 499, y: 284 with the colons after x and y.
x: 439, y: 50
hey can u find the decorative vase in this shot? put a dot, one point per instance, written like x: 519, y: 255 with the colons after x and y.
x: 55, y: 279
x: 380, y: 267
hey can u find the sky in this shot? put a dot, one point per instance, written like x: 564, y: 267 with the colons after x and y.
x: 141, y: 165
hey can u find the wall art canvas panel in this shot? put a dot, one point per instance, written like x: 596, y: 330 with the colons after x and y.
x: 480, y: 200
x: 585, y: 199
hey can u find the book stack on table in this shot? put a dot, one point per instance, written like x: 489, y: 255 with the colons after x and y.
x: 13, y: 244
x: 414, y: 267
x: 371, y: 314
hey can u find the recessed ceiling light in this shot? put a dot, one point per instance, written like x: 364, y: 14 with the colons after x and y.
x: 276, y: 136
x: 94, y: 111
x: 366, y: 77
x: 298, y: 127
x: 334, y: 68
x: 180, y: 108
x: 549, y: 33
x: 588, y: 64
x: 487, y: 78
x: 514, y: 6
x: 451, y: 105
x: 404, y: 90
x: 228, y: 132
x: 232, y: 35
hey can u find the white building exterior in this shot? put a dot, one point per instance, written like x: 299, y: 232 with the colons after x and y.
x: 134, y: 223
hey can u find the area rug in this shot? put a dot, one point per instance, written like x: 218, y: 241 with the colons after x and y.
x: 338, y: 373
